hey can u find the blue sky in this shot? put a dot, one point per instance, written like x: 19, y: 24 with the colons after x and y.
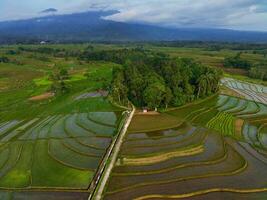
x: 233, y: 14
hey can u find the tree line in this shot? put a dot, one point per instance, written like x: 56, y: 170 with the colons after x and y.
x: 255, y: 70
x: 237, y: 62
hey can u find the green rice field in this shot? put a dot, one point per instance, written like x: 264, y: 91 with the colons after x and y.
x: 52, y: 148
x: 58, y: 152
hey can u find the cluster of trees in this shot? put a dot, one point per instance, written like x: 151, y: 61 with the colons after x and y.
x: 4, y: 59
x: 259, y: 71
x: 58, y: 78
x: 237, y: 62
x: 255, y: 70
x: 56, y: 52
x: 44, y: 50
x: 156, y: 80
x: 117, y: 56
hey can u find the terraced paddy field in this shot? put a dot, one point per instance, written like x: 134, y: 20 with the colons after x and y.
x: 239, y: 118
x: 187, y: 162
x: 54, y: 157
x: 216, y: 149
x: 250, y: 91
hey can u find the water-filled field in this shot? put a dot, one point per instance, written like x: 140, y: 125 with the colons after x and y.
x: 240, y: 118
x: 186, y: 161
x: 60, y: 152
x: 51, y: 148
x: 217, y: 150
x: 250, y: 91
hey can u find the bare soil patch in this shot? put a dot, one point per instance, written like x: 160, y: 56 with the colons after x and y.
x: 42, y: 96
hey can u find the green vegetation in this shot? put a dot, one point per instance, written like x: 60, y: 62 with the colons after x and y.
x: 256, y: 70
x: 35, y: 160
x: 58, y: 118
x: 237, y: 62
x: 151, y: 159
x: 159, y: 81
x: 51, y: 139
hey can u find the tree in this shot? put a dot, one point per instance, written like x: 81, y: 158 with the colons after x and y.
x: 64, y: 74
x: 237, y: 62
x: 118, y: 89
x: 167, y: 97
x: 135, y: 83
x: 156, y: 93
x: 58, y: 81
x: 203, y: 84
x: 179, y: 98
x: 208, y: 83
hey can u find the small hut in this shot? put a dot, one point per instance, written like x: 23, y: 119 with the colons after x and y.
x: 145, y: 110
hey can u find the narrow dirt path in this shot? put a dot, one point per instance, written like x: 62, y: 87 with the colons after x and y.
x: 111, y: 155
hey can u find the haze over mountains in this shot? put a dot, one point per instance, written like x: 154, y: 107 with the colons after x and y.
x: 91, y: 26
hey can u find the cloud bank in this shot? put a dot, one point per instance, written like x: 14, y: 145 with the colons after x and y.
x: 232, y: 14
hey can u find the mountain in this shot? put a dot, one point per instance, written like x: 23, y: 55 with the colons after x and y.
x: 90, y: 26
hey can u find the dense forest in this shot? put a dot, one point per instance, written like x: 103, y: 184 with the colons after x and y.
x: 155, y: 80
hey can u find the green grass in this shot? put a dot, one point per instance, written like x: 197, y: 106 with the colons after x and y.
x: 26, y: 76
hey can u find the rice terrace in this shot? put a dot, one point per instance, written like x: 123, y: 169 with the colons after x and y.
x: 133, y: 100
x: 132, y: 121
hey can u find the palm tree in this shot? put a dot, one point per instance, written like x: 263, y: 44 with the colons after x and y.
x: 207, y: 83
x: 212, y: 82
x: 203, y: 82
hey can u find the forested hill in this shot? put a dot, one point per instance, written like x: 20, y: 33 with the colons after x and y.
x: 90, y: 26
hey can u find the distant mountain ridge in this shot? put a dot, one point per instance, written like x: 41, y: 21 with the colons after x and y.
x: 90, y: 26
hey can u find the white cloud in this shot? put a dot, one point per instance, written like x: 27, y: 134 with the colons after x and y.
x: 236, y: 14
